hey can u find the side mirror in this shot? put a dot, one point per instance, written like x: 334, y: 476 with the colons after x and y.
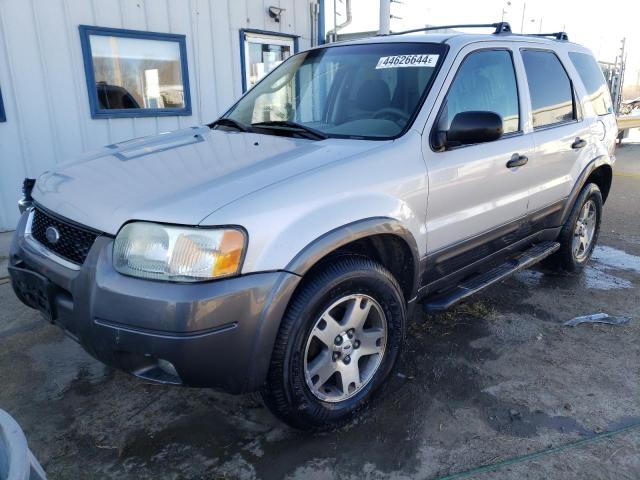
x: 474, y: 127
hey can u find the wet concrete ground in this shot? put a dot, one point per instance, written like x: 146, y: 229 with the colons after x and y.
x: 496, y: 378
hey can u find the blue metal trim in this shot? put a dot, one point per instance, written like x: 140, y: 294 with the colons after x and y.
x: 321, y: 23
x: 243, y: 67
x: 96, y: 111
x: 3, y: 116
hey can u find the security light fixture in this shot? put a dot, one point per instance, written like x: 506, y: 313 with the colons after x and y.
x: 276, y: 13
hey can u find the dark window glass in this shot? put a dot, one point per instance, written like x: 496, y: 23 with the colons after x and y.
x: 485, y: 81
x: 549, y: 87
x: 593, y: 81
x: 3, y: 118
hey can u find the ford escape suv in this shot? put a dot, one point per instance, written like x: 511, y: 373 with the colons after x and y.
x: 283, y: 247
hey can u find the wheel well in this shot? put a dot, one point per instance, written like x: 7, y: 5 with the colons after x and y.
x: 602, y: 176
x: 391, y: 251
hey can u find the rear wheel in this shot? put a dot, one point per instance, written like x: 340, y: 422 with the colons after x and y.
x: 579, y: 235
x: 337, y: 344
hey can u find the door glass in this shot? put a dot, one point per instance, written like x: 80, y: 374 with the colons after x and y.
x: 549, y: 88
x: 593, y: 81
x: 485, y: 81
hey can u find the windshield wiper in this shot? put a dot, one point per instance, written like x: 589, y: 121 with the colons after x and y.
x: 309, y: 132
x: 230, y: 122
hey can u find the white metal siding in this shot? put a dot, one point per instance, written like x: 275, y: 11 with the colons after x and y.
x: 43, y: 80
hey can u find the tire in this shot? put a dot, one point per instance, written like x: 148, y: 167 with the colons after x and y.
x: 304, y: 345
x: 567, y: 258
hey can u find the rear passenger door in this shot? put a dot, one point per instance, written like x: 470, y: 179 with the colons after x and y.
x: 561, y: 135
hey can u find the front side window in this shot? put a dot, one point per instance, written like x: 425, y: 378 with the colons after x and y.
x: 263, y: 53
x: 486, y: 81
x: 549, y: 87
x: 593, y: 81
x: 357, y: 91
x: 131, y: 73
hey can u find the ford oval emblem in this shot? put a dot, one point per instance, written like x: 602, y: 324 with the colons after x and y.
x: 52, y: 234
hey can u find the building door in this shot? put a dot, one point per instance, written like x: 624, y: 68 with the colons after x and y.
x: 262, y: 52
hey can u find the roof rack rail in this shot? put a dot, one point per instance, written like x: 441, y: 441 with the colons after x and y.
x: 556, y: 35
x: 500, y: 27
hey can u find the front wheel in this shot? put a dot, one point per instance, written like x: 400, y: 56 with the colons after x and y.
x: 579, y: 235
x: 337, y: 344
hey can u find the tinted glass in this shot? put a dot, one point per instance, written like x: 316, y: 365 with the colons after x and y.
x: 137, y: 73
x: 549, y: 88
x: 485, y: 81
x: 593, y: 81
x: 359, y: 91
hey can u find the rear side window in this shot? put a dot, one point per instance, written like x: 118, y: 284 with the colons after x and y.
x: 593, y: 81
x: 485, y: 81
x: 549, y: 87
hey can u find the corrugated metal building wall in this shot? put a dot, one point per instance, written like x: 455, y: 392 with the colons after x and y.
x: 43, y: 85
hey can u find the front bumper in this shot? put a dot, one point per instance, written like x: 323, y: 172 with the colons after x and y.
x: 215, y: 334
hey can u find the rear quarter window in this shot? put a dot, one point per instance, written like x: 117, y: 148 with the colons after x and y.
x: 593, y: 81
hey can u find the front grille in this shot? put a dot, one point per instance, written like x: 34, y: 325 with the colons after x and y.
x: 74, y: 241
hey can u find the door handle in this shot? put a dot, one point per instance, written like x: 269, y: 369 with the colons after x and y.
x: 517, y: 160
x: 579, y: 143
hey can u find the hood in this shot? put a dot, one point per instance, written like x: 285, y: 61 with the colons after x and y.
x: 179, y: 177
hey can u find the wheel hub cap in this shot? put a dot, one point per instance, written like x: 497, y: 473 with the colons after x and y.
x: 584, y: 231
x: 345, y: 348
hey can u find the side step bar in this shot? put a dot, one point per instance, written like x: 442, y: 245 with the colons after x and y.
x: 474, y: 284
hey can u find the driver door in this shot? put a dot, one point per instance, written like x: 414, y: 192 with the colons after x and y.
x: 476, y: 203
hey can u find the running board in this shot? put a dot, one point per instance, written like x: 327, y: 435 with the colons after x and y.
x: 474, y: 284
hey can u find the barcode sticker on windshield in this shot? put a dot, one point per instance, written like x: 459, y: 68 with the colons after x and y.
x: 399, y: 61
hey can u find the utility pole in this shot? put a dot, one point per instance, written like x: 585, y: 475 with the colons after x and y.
x: 335, y: 21
x: 385, y: 17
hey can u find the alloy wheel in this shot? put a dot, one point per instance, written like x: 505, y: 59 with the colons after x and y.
x: 345, y: 348
x: 584, y: 231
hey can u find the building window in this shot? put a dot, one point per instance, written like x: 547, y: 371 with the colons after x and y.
x: 261, y: 52
x: 3, y: 117
x: 135, y: 74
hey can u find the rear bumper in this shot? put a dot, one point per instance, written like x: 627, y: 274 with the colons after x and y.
x: 216, y: 334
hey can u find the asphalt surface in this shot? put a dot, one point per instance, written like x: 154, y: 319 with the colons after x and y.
x: 491, y: 383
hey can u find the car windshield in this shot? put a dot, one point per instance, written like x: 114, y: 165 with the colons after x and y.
x: 349, y: 91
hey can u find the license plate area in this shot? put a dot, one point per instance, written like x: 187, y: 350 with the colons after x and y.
x: 34, y: 289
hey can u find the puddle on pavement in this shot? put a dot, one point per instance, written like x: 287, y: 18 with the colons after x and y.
x: 596, y: 275
x: 596, y: 278
x: 66, y: 366
x: 610, y: 257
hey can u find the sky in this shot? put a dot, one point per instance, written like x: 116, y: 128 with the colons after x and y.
x: 598, y: 25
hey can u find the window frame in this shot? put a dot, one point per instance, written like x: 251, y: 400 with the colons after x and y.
x: 3, y: 115
x: 518, y: 132
x: 577, y: 110
x: 96, y: 112
x: 243, y: 50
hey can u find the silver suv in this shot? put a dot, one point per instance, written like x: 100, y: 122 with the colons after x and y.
x: 283, y: 247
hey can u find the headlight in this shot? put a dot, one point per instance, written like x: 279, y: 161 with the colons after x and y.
x: 164, y: 252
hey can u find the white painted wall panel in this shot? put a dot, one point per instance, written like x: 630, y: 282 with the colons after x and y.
x: 43, y: 80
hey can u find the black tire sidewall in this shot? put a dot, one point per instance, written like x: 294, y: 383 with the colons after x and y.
x: 570, y: 262
x: 346, y: 277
